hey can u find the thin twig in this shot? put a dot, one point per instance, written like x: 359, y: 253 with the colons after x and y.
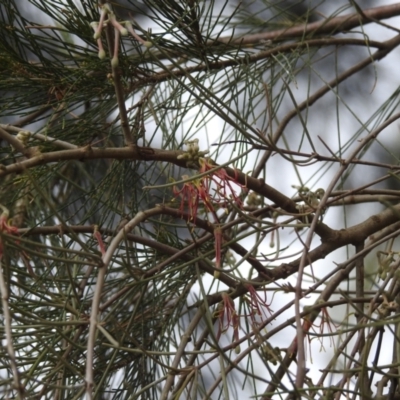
x: 330, y: 26
x: 378, y: 55
x: 8, y: 334
x: 45, y: 138
x: 185, y: 338
x: 112, y: 34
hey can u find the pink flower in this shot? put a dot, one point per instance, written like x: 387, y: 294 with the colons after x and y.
x: 225, y: 185
x: 197, y: 192
x: 189, y: 197
x: 227, y: 312
x: 258, y: 305
x: 7, y: 228
x: 326, y: 320
x: 193, y: 193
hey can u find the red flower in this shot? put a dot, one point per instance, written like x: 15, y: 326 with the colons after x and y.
x: 326, y: 320
x: 99, y: 239
x: 204, y: 195
x: 225, y: 190
x: 258, y: 305
x: 197, y: 191
x: 7, y: 228
x: 227, y: 312
x: 189, y: 197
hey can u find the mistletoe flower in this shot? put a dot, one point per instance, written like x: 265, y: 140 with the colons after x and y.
x: 204, y: 196
x: 223, y: 183
x: 97, y: 236
x: 257, y: 304
x: 189, y: 196
x: 118, y: 27
x: 193, y: 193
x: 5, y: 227
x: 225, y: 190
x: 198, y: 191
x: 228, y: 317
x: 325, y: 321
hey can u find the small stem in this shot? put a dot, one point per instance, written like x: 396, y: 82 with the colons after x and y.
x: 9, y: 340
x: 94, y: 318
x: 180, y: 352
x: 119, y: 90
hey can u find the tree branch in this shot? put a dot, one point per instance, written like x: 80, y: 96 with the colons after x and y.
x: 331, y: 26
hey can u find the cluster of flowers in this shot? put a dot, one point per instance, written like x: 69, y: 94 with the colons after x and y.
x: 228, y: 317
x: 212, y: 189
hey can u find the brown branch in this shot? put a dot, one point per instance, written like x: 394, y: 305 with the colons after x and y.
x: 142, y: 154
x: 95, y: 153
x: 45, y: 138
x: 249, y: 58
x: 150, y: 154
x: 353, y: 235
x: 331, y: 26
x: 340, y: 238
x: 147, y: 154
x: 116, y: 77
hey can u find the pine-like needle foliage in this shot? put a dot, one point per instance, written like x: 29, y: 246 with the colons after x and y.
x: 172, y: 175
